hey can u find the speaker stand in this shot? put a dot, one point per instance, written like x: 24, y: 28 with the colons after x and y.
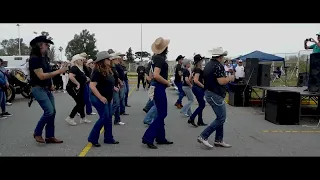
x: 245, y: 88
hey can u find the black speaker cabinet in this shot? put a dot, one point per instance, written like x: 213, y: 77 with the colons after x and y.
x: 314, y: 73
x: 251, y: 71
x: 237, y: 97
x: 302, y: 79
x: 283, y: 107
x: 264, y: 75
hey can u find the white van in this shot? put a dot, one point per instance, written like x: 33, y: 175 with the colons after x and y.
x: 14, y: 61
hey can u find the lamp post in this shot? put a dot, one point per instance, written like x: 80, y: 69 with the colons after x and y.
x: 141, y: 43
x: 18, y: 25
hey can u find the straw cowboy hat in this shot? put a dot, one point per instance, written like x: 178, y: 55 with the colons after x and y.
x: 159, y: 45
x: 218, y: 52
x: 185, y: 62
x: 76, y: 57
x: 101, y: 56
x: 83, y: 55
x: 115, y: 56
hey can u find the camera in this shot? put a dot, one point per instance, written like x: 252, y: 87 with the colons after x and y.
x: 309, y: 39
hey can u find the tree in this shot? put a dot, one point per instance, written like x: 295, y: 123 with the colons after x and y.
x: 84, y: 42
x: 10, y: 47
x: 129, y: 55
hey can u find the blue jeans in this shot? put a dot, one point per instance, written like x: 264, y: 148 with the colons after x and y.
x: 149, y: 105
x: 199, y: 93
x: 156, y: 129
x: 3, y: 100
x: 122, y: 93
x: 181, y: 93
x: 105, y: 120
x: 127, y: 92
x: 87, y: 101
x: 219, y: 107
x: 151, y: 115
x: 116, y: 106
x: 187, y: 108
x: 46, y: 101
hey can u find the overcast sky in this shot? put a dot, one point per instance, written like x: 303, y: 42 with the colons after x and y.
x: 186, y: 39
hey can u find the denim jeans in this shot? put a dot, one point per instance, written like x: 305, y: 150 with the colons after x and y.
x: 3, y: 100
x: 151, y: 115
x: 46, y: 101
x: 181, y: 93
x: 149, y: 105
x: 156, y: 130
x: 116, y: 106
x: 127, y: 92
x: 105, y: 120
x: 87, y: 92
x: 122, y: 94
x: 187, y: 108
x: 199, y: 93
x: 219, y: 107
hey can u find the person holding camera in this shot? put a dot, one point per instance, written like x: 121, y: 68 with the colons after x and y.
x: 215, y: 81
x: 41, y: 76
x: 315, y: 47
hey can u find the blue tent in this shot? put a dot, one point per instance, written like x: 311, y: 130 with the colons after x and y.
x: 261, y: 56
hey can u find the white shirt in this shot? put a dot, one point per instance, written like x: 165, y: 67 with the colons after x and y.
x: 226, y: 68
x: 239, y: 72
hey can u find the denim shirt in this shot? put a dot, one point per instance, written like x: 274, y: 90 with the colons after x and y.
x: 2, y: 74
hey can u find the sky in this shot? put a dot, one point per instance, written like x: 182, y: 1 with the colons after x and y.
x: 186, y: 39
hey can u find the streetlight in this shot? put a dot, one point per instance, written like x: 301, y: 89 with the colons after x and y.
x: 60, y: 49
x: 141, y: 44
x: 18, y: 25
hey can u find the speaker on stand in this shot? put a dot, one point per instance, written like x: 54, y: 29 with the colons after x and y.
x: 314, y: 73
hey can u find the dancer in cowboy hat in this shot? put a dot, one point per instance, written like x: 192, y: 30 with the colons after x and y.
x: 76, y: 89
x: 102, y: 87
x: 41, y: 81
x: 178, y: 81
x: 187, y: 88
x: 198, y: 91
x: 214, y: 83
x: 125, y: 81
x: 156, y: 130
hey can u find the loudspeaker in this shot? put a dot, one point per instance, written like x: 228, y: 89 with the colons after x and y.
x: 236, y: 95
x: 302, y: 79
x: 314, y: 73
x: 251, y: 71
x: 283, y: 107
x: 264, y: 75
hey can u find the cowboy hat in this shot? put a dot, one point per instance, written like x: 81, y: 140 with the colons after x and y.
x: 115, y: 56
x: 185, y: 62
x: 197, y: 58
x: 110, y: 51
x: 218, y: 52
x: 76, y: 57
x: 180, y: 57
x: 83, y: 54
x: 102, y: 55
x: 89, y: 61
x: 40, y: 39
x: 159, y: 45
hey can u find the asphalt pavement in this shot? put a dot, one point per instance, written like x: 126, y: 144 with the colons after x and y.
x: 245, y: 129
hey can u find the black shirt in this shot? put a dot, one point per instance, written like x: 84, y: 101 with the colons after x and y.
x: 79, y: 76
x: 116, y: 76
x: 200, y: 72
x: 185, y: 73
x: 105, y: 84
x: 177, y: 77
x: 213, y: 70
x: 37, y: 63
x: 159, y: 61
x: 87, y: 71
x: 120, y: 71
x: 141, y: 70
x: 125, y: 71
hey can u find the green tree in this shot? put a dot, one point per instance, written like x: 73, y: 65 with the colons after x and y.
x: 84, y: 42
x: 129, y: 55
x: 10, y: 47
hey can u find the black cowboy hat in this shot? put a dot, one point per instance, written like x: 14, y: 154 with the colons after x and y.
x: 197, y: 58
x: 179, y: 57
x: 39, y: 39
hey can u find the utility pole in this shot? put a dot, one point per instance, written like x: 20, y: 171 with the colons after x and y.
x: 18, y: 25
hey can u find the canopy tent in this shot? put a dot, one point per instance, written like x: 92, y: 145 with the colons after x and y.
x: 261, y: 56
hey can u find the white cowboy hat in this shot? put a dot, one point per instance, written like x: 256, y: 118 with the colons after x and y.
x: 115, y: 56
x: 83, y: 54
x: 76, y: 57
x: 218, y: 52
x: 159, y: 45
